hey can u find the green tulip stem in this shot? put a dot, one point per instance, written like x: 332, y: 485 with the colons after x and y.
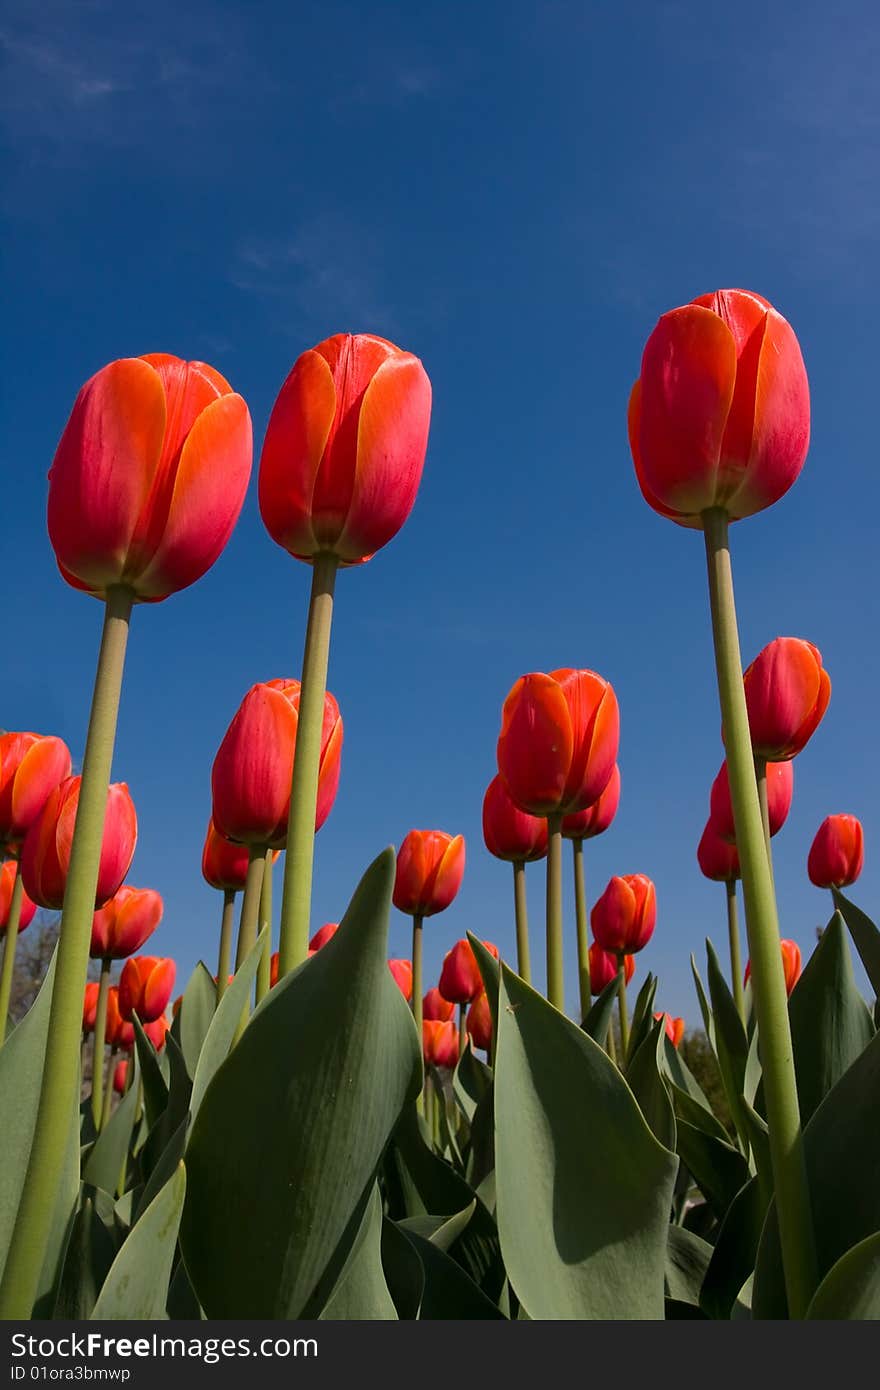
x: 762, y: 927
x: 250, y: 905
x: 61, y: 1075
x: 462, y: 1035
x: 761, y: 779
x: 227, y: 926
x: 521, y: 911
x: 264, y: 969
x: 621, y: 1005
x: 555, y: 968
x: 108, y: 1088
x: 611, y: 1046
x: 296, y: 896
x: 583, y: 940
x: 417, y: 989
x: 736, y: 977
x: 98, y: 1042
x: 9, y: 950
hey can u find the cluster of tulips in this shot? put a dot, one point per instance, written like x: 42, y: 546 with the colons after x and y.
x: 312, y: 1134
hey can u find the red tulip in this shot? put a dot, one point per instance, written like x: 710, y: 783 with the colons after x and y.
x: 478, y: 1024
x: 623, y: 919
x: 558, y: 741
x: 594, y: 819
x: 31, y: 767
x: 510, y: 833
x: 430, y: 867
x: 90, y: 1006
x: 674, y: 1028
x: 344, y: 448
x: 323, y: 935
x: 273, y: 969
x: 45, y: 854
x: 120, y: 1071
x: 791, y: 964
x: 440, y: 1043
x: 254, y: 765
x: 149, y: 476
x: 403, y: 974
x: 436, y: 1008
x: 460, y: 978
x: 157, y: 1031
x: 145, y: 987
x: 787, y: 693
x: 117, y: 1031
x: 7, y: 883
x: 717, y: 858
x: 124, y: 923
x: 837, y: 854
x: 603, y: 968
x: 224, y: 864
x: 780, y: 789
x: 720, y: 415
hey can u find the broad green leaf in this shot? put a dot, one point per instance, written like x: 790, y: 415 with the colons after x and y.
x: 449, y: 1293
x: 731, y: 1043
x: 645, y: 1080
x: 87, y: 1260
x: 642, y: 1016
x: 864, y: 934
x: 736, y: 1246
x: 690, y: 1110
x: 830, y: 1023
x: 173, y: 1117
x: 708, y: 1021
x: 442, y: 1231
x: 470, y: 1082
x: 161, y: 1171
x: 361, y: 1294
x: 284, y: 1148
x: 104, y: 1166
x: 584, y: 1188
x: 718, y: 1169
x: 225, y: 1021
x: 182, y: 1302
x: 598, y: 1020
x: 197, y: 1008
x: 404, y: 1273
x: 681, y: 1076
x: 687, y: 1259
x: 490, y: 971
x: 154, y: 1083
x: 137, y: 1286
x: 851, y: 1288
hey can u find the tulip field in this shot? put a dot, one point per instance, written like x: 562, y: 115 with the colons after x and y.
x: 308, y: 1129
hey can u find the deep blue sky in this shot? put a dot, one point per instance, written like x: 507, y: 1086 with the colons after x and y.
x: 515, y: 192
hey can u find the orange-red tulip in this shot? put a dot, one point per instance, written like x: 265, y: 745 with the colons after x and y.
x: 344, y: 448
x: 145, y: 987
x: 253, y: 768
x: 787, y: 693
x: 837, y: 854
x: 558, y: 742
x: 603, y: 968
x: 31, y: 767
x: 791, y: 964
x: 157, y: 1031
x: 436, y: 1008
x: 460, y: 978
x: 90, y: 1006
x: 623, y: 919
x: 323, y: 935
x: 717, y: 858
x: 224, y: 864
x: 674, y: 1027
x: 120, y: 1071
x: 123, y: 924
x: 780, y: 789
x: 149, y: 476
x: 720, y: 415
x: 118, y: 1032
x: 7, y: 883
x: 440, y: 1042
x: 273, y: 969
x: 430, y: 867
x: 510, y: 833
x: 594, y: 819
x: 478, y: 1023
x: 403, y: 974
x: 45, y: 854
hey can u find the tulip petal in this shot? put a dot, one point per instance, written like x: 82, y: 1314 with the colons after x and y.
x: 536, y: 743
x: 45, y: 764
x: 296, y: 438
x: 780, y: 427
x: 253, y: 768
x: 447, y: 876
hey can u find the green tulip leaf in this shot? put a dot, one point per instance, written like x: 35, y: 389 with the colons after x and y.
x: 598, y: 1020
x: 700, y: 1116
x: 642, y: 1016
x: 404, y: 1272
x: 645, y: 1079
x: 851, y: 1288
x: 225, y: 1021
x: 718, y: 1169
x: 731, y: 1043
x: 682, y: 1077
x: 449, y: 1292
x: 361, y: 1293
x: 733, y: 1257
x: 104, y: 1164
x: 173, y: 1117
x: 470, y: 1082
x: 491, y: 973
x: 136, y: 1287
x: 440, y: 1231
x: 182, y: 1302
x: 194, y: 1016
x: 708, y: 1021
x: 154, y: 1083
x: 687, y: 1259
x: 90, y: 1253
x: 864, y: 934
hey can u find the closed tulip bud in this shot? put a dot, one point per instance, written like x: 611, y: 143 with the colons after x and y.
x: 780, y: 789
x: 430, y: 867
x: 787, y: 693
x: 124, y: 923
x: 323, y: 935
x: 558, y: 742
x: 623, y: 919
x: 118, y: 1032
x: 45, y: 854
x: 273, y: 969
x: 90, y: 1006
x: 593, y: 820
x: 252, y: 771
x: 720, y: 415
x: 120, y: 1072
x: 603, y: 968
x: 478, y: 1024
x: 149, y: 476
x: 510, y: 833
x: 403, y: 974
x: 145, y: 987
x: 674, y: 1027
x: 460, y: 978
x: 717, y: 858
x: 436, y: 1008
x: 344, y: 448
x: 157, y: 1031
x: 440, y: 1042
x: 837, y: 854
x: 791, y: 964
x: 7, y: 883
x: 224, y: 864
x: 31, y: 767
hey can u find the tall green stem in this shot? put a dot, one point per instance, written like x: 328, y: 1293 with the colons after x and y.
x: 264, y: 969
x: 555, y: 969
x: 736, y: 978
x: 520, y: 907
x: 583, y: 941
x: 250, y: 906
x: 98, y: 1042
x: 61, y: 1078
x: 761, y: 779
x: 108, y: 1089
x: 768, y: 981
x: 227, y: 924
x: 417, y: 989
x: 611, y: 1046
x: 462, y: 1035
x: 296, y: 896
x: 622, y: 1007
x: 9, y: 949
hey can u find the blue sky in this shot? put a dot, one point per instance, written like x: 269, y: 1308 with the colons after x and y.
x: 515, y: 192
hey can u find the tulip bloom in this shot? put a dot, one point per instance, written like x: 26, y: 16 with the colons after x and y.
x: 624, y: 917
x: 403, y: 976
x: 717, y: 858
x: 440, y: 1043
x: 149, y: 476
x: 45, y: 854
x: 594, y: 819
x: 224, y: 864
x: 7, y: 883
x: 344, y: 448
x: 120, y: 1072
x: 510, y: 833
x: 31, y: 767
x: 252, y: 771
x: 118, y: 1032
x: 720, y: 414
x: 436, y: 1008
x: 791, y: 964
x: 787, y: 693
x: 90, y: 1006
x: 323, y: 935
x: 430, y: 867
x: 124, y: 923
x: 460, y: 978
x: 674, y: 1027
x: 837, y: 854
x: 145, y: 987
x: 558, y: 742
x: 603, y: 968
x: 780, y: 790
x: 478, y: 1023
